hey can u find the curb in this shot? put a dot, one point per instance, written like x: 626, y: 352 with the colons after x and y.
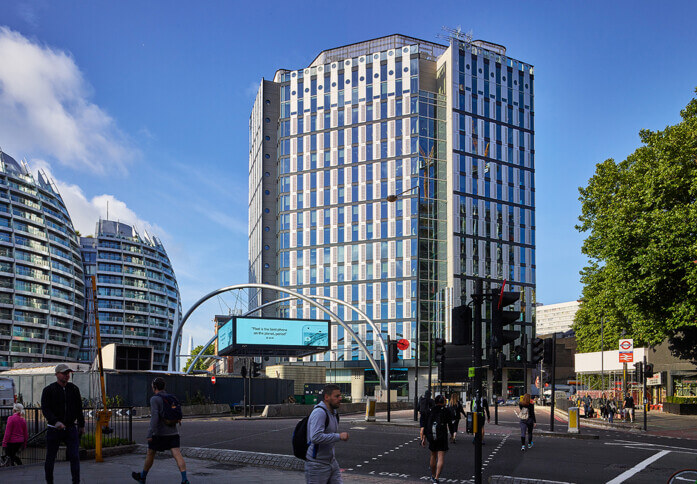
x: 599, y: 425
x: 521, y: 480
x: 567, y: 435
x: 258, y: 459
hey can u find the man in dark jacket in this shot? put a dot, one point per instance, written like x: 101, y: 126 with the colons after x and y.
x: 61, y: 405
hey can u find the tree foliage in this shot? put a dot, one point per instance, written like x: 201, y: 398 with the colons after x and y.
x: 640, y: 217
x: 200, y: 365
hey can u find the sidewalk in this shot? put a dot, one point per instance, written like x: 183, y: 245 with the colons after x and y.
x: 118, y: 470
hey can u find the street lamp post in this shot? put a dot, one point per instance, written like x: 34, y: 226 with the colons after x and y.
x: 392, y: 199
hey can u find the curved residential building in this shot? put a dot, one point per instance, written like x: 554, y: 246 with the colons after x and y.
x: 137, y: 293
x: 42, y: 290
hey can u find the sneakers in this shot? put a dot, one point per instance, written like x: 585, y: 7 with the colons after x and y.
x: 530, y: 445
x: 138, y: 477
x: 185, y: 482
x: 434, y: 480
x: 522, y: 448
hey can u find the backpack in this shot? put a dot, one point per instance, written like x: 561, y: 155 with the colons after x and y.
x: 524, y: 413
x: 300, y: 441
x: 171, y: 410
x: 425, y: 405
x: 437, y: 426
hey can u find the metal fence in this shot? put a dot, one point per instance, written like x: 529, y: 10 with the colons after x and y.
x: 120, y: 425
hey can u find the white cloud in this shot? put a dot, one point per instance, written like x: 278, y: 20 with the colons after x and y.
x: 46, y: 111
x: 86, y: 212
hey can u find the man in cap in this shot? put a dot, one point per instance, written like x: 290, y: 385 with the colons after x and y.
x: 61, y: 405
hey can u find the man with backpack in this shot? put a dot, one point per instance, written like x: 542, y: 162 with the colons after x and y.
x: 165, y: 414
x: 321, y: 466
x: 437, y: 433
x: 425, y: 405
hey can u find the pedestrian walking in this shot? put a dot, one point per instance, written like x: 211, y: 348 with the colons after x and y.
x: 611, y: 409
x: 16, y: 435
x: 61, y: 405
x: 436, y: 432
x: 457, y: 409
x: 629, y: 406
x: 426, y: 403
x: 480, y: 404
x: 321, y: 466
x: 526, y: 414
x: 165, y: 414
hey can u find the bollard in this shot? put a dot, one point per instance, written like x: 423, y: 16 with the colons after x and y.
x: 574, y: 423
x: 370, y: 410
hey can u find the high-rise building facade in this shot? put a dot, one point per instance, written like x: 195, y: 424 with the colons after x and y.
x: 391, y: 174
x: 556, y: 318
x: 41, y: 276
x: 137, y: 293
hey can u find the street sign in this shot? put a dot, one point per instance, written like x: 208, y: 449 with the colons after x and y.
x: 403, y: 344
x: 471, y: 372
x: 626, y: 351
x: 213, y: 380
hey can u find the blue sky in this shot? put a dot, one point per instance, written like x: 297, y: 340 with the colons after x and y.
x: 145, y: 105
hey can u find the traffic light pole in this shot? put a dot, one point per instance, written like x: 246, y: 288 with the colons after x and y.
x: 388, y: 360
x: 645, y: 400
x: 554, y: 366
x: 477, y: 298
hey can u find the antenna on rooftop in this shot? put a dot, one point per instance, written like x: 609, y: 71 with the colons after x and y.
x: 457, y: 34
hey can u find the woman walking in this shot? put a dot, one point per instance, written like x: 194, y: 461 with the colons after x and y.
x: 457, y: 409
x: 526, y: 414
x: 16, y: 435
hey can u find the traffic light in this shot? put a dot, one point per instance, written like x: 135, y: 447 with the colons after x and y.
x: 638, y: 372
x: 519, y: 354
x: 500, y: 318
x: 648, y: 370
x: 548, y: 357
x: 256, y: 368
x: 538, y: 349
x: 243, y: 372
x: 462, y: 325
x: 439, y: 350
x: 393, y: 352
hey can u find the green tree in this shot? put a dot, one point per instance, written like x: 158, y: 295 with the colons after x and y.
x: 200, y: 365
x: 640, y: 217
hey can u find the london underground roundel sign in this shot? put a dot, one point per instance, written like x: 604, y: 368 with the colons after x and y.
x: 403, y: 344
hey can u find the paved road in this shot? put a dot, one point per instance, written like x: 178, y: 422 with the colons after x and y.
x: 394, y: 451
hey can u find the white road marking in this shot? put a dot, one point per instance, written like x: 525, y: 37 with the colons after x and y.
x: 638, y: 468
x: 357, y: 428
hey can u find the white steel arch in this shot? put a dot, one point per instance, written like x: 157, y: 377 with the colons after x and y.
x: 295, y: 295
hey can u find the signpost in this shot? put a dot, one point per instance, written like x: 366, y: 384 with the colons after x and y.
x: 213, y: 379
x: 626, y: 351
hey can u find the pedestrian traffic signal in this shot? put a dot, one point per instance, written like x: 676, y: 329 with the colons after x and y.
x: 501, y: 318
x: 538, y: 349
x: 393, y: 351
x: 256, y: 369
x: 439, y: 350
x: 638, y: 372
x: 462, y: 325
x: 648, y: 370
x: 519, y: 354
x: 548, y: 357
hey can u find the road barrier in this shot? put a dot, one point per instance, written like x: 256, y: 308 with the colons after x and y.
x: 370, y: 410
x: 574, y: 421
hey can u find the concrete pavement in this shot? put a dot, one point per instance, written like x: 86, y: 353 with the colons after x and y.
x: 118, y: 470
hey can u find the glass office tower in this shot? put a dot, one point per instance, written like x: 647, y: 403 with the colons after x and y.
x: 391, y: 174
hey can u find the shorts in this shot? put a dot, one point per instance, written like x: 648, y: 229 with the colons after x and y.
x: 438, y: 445
x: 161, y: 443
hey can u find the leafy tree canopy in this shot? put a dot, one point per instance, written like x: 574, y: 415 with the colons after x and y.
x: 200, y: 365
x: 640, y: 217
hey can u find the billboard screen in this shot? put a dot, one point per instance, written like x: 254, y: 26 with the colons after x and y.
x: 273, y: 336
x: 225, y: 337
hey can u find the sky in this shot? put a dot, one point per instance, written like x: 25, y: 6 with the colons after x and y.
x: 144, y: 107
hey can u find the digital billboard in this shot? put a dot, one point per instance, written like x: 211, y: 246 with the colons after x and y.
x: 273, y: 336
x: 225, y: 337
